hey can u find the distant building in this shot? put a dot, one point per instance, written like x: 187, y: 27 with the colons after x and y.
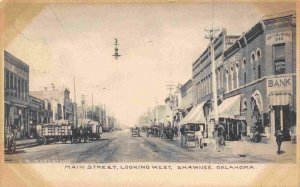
x: 16, y: 97
x: 62, y: 105
x: 186, y: 91
x: 39, y: 113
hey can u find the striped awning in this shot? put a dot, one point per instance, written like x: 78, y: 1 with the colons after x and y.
x: 280, y: 99
x: 196, y: 115
x: 229, y: 108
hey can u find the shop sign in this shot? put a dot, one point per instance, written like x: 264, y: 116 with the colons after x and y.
x: 280, y: 84
x: 279, y: 37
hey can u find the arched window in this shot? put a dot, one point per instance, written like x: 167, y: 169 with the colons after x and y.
x: 237, y: 74
x: 253, y: 58
x: 244, y: 106
x: 232, y: 78
x: 226, y: 80
x: 244, y: 63
x: 258, y: 55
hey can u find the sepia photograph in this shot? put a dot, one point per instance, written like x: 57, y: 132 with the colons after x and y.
x: 149, y: 83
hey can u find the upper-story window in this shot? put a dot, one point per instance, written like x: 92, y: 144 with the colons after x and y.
x: 279, y: 58
x: 244, y: 63
x: 253, y: 64
x: 237, y: 74
x: 258, y: 55
x: 227, y: 80
x: 232, y: 78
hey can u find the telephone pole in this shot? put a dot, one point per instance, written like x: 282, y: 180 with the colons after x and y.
x: 74, y: 106
x: 92, y: 106
x: 211, y: 37
x: 156, y: 112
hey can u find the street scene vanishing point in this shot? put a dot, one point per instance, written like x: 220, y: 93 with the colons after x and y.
x: 177, y: 83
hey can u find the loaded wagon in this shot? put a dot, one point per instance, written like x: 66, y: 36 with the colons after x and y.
x: 64, y: 131
x: 54, y: 132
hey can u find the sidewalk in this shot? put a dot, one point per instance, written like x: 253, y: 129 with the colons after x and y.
x: 26, y: 143
x: 265, y: 150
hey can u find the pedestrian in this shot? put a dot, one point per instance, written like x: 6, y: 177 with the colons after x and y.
x: 176, y: 132
x: 220, y: 135
x: 279, y: 139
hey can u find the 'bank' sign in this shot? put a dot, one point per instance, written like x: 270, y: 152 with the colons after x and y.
x: 280, y: 84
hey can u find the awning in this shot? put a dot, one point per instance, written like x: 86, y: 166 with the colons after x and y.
x: 196, y: 115
x: 280, y: 99
x: 230, y: 107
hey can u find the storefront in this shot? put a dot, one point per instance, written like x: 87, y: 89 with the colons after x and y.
x: 195, y: 116
x: 230, y: 116
x: 280, y: 97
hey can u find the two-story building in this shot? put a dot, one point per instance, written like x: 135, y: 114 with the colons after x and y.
x: 260, y: 69
x: 202, y: 81
x: 39, y: 113
x: 59, y: 99
x: 16, y: 88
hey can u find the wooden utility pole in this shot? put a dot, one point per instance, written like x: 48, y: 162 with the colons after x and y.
x: 211, y: 37
x: 74, y: 106
x: 92, y: 106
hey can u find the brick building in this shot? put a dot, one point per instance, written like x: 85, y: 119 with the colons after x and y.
x: 16, y: 88
x: 256, y: 78
x: 59, y: 98
x: 202, y: 80
x: 39, y: 113
x: 260, y: 68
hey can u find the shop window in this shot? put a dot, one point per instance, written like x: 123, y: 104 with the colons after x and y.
x: 279, y: 58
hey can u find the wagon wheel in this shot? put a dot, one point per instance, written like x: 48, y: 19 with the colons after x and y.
x: 63, y: 140
x: 14, y: 147
x: 181, y: 142
x: 43, y: 140
x: 186, y: 142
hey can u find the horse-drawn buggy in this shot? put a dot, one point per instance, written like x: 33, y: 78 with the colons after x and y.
x: 192, y: 133
x: 135, y: 132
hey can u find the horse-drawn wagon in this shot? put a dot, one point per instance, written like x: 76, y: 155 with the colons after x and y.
x: 64, y: 131
x: 135, y: 132
x: 192, y: 133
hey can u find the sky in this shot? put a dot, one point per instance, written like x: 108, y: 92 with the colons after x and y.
x: 158, y: 44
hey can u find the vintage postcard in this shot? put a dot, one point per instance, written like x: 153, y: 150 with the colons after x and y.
x: 146, y: 94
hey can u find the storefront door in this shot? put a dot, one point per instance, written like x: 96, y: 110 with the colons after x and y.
x: 282, y: 119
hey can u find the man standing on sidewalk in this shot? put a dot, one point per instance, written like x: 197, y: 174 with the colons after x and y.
x: 279, y: 139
